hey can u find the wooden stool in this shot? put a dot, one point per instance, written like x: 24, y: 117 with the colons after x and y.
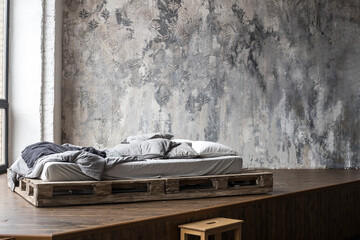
x: 209, y: 227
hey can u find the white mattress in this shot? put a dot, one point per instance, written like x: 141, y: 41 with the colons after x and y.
x: 154, y: 168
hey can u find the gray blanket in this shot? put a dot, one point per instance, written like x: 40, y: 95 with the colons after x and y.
x: 91, y: 165
x: 94, y: 165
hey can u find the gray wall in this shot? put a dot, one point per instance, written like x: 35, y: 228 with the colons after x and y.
x: 277, y: 80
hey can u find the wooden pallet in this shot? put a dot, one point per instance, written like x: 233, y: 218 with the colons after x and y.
x: 49, y: 194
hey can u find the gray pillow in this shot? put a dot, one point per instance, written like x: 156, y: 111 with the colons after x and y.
x: 153, y: 148
x: 183, y: 150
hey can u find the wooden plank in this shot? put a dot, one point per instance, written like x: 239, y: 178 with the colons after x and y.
x: 172, y: 185
x: 22, y: 184
x: 156, y: 187
x: 220, y: 183
x: 45, y: 194
x: 43, y: 191
x: 102, y: 189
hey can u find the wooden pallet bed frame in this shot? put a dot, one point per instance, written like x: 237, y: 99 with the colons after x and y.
x: 50, y: 194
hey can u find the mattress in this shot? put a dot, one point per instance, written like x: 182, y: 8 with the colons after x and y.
x: 151, y: 168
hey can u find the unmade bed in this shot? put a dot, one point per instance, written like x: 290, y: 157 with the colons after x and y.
x: 141, y: 168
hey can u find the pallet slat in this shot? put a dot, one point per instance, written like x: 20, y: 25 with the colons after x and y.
x: 46, y: 194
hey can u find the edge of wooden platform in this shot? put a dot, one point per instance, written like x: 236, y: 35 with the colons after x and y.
x: 264, y: 198
x: 28, y: 237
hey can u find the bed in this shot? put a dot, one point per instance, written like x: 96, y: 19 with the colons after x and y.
x: 141, y: 168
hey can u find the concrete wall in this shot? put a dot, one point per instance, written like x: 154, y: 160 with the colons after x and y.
x: 276, y: 80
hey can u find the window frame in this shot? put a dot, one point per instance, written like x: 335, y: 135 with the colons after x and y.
x: 4, y: 103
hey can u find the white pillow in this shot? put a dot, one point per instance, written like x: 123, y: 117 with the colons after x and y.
x: 147, y: 136
x: 212, y: 149
x: 180, y: 140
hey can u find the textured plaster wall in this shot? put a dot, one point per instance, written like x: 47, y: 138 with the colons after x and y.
x: 277, y: 80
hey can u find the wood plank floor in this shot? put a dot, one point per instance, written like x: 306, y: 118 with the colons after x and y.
x: 18, y: 217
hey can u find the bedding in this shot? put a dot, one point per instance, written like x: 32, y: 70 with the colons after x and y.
x: 143, y: 156
x: 147, y: 169
x: 91, y: 165
x: 152, y: 148
x: 207, y: 148
x: 34, y: 151
x: 147, y: 136
x: 212, y: 149
x: 183, y: 150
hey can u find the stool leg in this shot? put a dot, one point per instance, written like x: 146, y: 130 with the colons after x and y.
x: 238, y: 233
x: 182, y: 235
x: 204, y: 236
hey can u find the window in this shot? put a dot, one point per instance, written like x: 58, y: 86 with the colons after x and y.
x: 4, y: 105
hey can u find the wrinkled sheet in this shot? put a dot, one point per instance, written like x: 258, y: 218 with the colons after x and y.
x: 147, y: 169
x: 93, y: 165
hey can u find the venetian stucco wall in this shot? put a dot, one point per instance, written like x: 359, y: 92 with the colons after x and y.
x: 277, y: 80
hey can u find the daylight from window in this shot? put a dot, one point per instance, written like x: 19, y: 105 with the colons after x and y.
x: 2, y: 81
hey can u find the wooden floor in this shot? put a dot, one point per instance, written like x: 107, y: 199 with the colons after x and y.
x: 291, y: 187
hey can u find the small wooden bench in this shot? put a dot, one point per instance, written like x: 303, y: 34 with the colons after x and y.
x: 215, y: 226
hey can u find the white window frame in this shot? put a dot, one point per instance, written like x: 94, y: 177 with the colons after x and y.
x: 4, y: 104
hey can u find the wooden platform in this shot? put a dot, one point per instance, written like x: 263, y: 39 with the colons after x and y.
x: 45, y: 194
x: 304, y: 204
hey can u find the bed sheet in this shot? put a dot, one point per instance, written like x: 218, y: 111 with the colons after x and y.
x: 151, y: 168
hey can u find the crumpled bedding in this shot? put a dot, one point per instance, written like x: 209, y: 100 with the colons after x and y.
x: 90, y: 164
x: 93, y: 165
x: 34, y: 151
